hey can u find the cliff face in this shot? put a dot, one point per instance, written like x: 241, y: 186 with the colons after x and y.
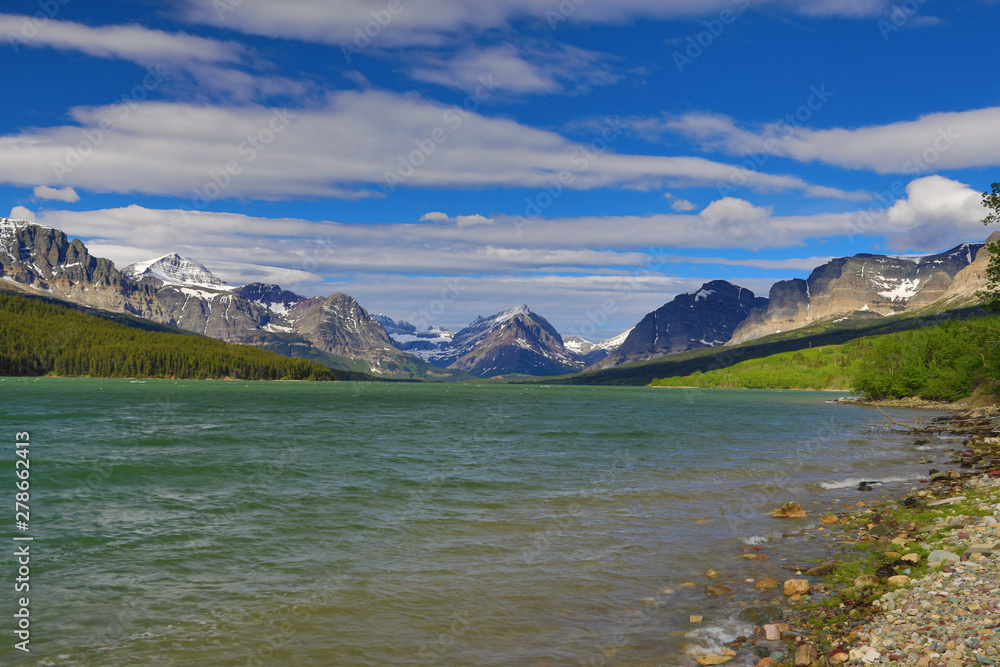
x: 34, y: 258
x: 972, y: 278
x: 876, y: 284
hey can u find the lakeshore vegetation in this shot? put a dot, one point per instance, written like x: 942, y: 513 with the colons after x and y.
x: 38, y: 337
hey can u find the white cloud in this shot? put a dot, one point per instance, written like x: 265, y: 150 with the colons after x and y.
x: 200, y: 64
x: 679, y: 205
x: 795, y: 263
x: 127, y: 42
x: 937, y: 211
x: 508, y: 245
x: 58, y: 194
x: 356, y: 144
x: 459, y: 220
x: 947, y: 140
x: 472, y: 220
x: 360, y: 25
x: 22, y: 213
x: 335, y: 250
x: 730, y: 211
x: 518, y: 69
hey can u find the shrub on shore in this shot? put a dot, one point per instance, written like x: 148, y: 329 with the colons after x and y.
x: 947, y: 361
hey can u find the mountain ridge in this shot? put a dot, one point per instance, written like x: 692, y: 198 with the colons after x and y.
x: 177, y: 291
x: 864, y: 283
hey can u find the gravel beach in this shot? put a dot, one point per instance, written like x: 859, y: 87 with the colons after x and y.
x: 910, y: 581
x: 950, y: 617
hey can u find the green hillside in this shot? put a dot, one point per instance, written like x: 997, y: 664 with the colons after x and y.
x: 945, y: 361
x: 816, y: 335
x: 44, y: 337
x: 828, y: 367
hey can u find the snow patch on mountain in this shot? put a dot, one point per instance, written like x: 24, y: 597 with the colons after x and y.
x: 439, y: 339
x: 201, y: 294
x: 578, y: 345
x: 703, y: 294
x: 510, y: 314
x: 614, y: 342
x: 903, y: 291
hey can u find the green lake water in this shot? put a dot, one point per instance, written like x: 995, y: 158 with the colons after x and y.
x: 231, y: 523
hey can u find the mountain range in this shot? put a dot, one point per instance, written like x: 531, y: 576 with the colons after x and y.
x: 340, y: 333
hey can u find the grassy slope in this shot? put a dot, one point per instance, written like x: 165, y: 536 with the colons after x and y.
x: 815, y: 335
x: 827, y: 367
x: 947, y: 361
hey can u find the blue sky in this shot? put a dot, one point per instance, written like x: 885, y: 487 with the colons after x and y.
x: 441, y: 159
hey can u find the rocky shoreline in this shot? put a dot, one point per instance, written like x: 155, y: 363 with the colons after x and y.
x: 908, y: 581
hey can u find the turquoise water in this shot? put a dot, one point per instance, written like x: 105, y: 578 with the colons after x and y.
x: 226, y: 523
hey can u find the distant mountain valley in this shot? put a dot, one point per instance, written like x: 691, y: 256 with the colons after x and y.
x: 337, y: 331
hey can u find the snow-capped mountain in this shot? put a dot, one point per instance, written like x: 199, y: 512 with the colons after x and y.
x: 182, y: 293
x: 706, y: 317
x: 513, y: 341
x: 272, y: 297
x: 591, y: 353
x: 392, y: 327
x: 172, y: 269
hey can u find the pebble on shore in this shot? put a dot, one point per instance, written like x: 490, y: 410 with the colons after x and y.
x: 949, y: 617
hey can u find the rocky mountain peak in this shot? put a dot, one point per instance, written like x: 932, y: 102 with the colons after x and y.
x: 39, y: 258
x: 706, y: 317
x: 272, y: 297
x: 392, y: 327
x: 172, y: 269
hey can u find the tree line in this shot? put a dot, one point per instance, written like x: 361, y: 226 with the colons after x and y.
x: 42, y: 338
